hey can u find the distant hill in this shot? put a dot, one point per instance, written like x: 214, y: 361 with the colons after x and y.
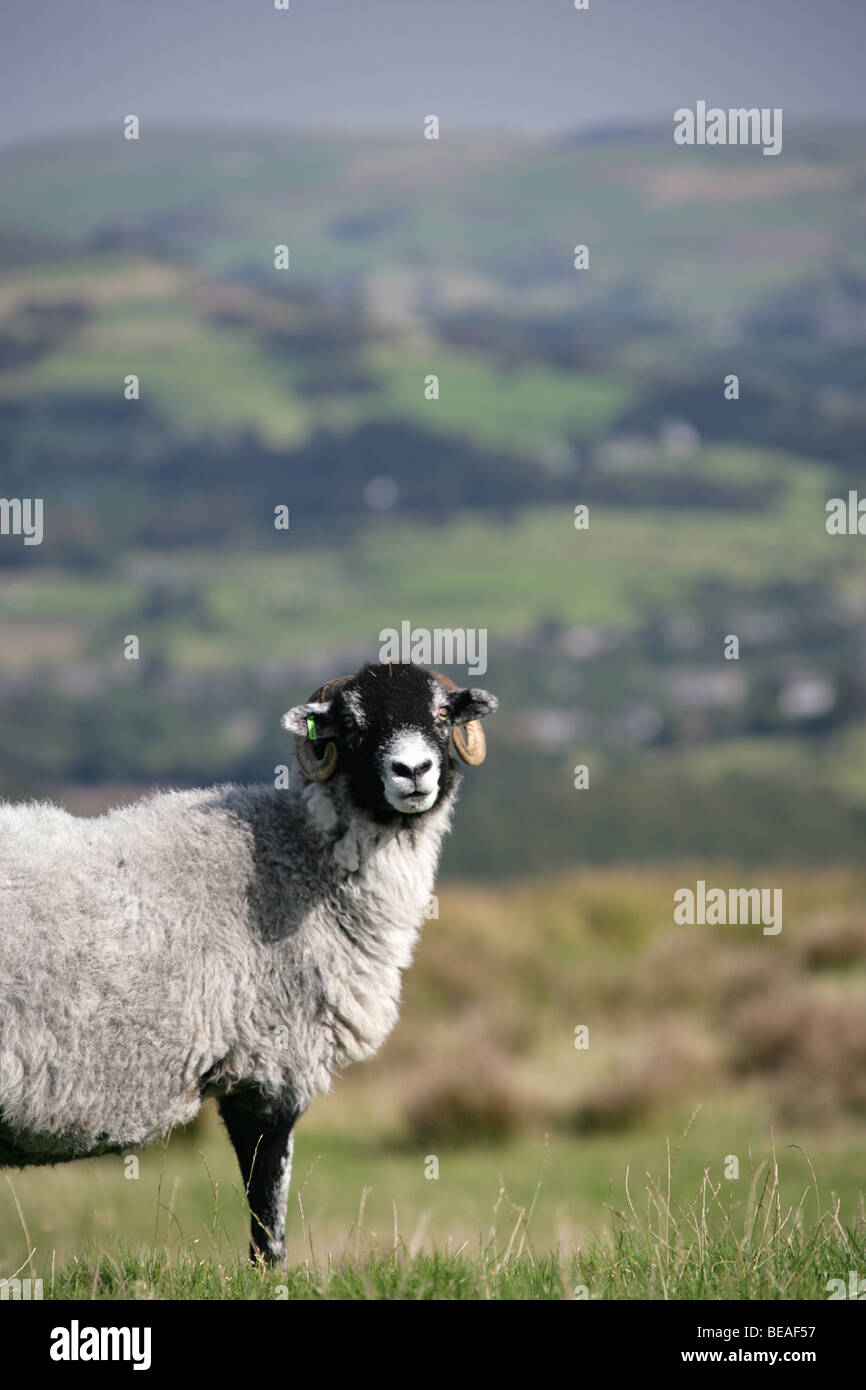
x: 448, y: 501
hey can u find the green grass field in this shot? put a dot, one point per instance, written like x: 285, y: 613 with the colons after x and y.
x: 707, y: 1144
x: 505, y: 576
x: 483, y: 1230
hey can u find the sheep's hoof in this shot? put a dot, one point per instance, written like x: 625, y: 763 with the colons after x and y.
x: 272, y: 1255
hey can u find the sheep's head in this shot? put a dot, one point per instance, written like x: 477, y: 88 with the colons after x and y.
x: 391, y: 732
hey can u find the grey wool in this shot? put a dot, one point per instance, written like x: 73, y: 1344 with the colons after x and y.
x: 242, y: 942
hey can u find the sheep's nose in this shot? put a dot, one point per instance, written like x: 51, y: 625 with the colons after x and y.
x: 402, y: 770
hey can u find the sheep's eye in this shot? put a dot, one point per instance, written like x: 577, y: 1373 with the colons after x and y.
x: 348, y: 721
x: 442, y: 712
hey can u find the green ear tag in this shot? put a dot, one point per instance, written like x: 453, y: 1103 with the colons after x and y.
x: 311, y: 729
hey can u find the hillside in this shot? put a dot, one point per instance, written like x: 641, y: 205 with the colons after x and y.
x: 556, y: 387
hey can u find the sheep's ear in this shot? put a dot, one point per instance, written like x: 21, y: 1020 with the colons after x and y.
x: 466, y: 705
x: 295, y: 720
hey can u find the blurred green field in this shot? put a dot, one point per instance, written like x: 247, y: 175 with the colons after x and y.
x: 504, y: 576
x: 557, y: 388
x: 365, y: 201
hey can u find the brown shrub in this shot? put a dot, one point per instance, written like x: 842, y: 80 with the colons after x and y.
x: 810, y: 1045
x: 478, y: 1103
x: 673, y: 1061
x: 833, y: 942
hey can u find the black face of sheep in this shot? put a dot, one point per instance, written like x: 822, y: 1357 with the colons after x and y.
x: 391, y: 733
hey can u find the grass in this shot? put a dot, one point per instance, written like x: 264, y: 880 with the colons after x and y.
x: 655, y: 1244
x: 201, y: 379
x: 515, y: 411
x: 547, y: 1157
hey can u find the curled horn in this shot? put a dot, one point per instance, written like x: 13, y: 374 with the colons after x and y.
x: 314, y: 768
x: 469, y: 742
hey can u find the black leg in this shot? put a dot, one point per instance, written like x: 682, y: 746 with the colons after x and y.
x: 263, y: 1139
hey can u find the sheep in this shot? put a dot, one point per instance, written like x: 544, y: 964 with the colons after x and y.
x: 241, y: 942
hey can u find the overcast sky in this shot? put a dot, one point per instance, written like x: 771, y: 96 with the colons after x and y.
x: 530, y: 64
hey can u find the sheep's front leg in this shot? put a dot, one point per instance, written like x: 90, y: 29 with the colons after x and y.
x: 263, y: 1139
